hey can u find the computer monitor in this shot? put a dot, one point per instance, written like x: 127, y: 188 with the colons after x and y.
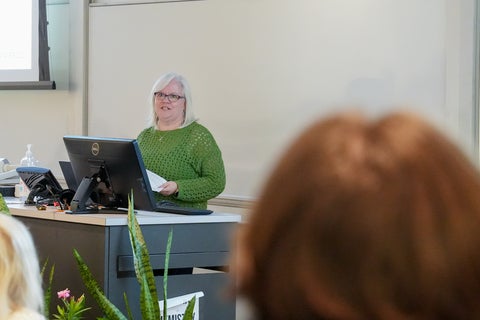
x: 68, y: 174
x: 43, y: 186
x: 108, y: 170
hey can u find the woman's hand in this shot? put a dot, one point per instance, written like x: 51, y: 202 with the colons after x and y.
x: 169, y: 188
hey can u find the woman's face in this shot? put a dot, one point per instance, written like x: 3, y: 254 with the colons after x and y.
x: 169, y: 111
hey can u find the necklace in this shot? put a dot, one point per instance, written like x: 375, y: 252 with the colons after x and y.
x: 163, y: 135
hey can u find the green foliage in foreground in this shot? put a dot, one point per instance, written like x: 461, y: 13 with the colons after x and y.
x: 143, y: 269
x: 3, y: 206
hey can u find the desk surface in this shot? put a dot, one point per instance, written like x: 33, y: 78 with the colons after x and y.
x: 143, y: 217
x: 104, y: 244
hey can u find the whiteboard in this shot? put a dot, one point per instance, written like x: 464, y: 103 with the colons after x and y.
x: 261, y: 70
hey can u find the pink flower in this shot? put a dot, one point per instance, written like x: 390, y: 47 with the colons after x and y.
x: 64, y: 294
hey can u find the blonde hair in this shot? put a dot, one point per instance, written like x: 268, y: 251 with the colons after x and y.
x: 20, y: 280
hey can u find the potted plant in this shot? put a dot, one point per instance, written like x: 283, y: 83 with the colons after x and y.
x: 149, y: 305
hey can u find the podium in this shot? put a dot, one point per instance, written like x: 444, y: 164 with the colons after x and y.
x: 198, y: 258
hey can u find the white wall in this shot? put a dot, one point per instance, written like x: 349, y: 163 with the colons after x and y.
x: 261, y: 70
x: 43, y: 117
x: 279, y: 61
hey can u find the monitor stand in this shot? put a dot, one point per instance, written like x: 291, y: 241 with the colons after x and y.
x: 82, y: 195
x: 82, y: 200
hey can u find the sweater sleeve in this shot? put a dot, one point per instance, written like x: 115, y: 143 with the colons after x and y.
x: 210, y: 168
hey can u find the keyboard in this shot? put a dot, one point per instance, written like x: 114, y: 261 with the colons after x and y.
x: 159, y: 207
x: 171, y: 208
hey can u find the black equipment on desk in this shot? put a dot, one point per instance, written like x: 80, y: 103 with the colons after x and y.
x: 170, y: 207
x: 108, y: 171
x: 44, y: 187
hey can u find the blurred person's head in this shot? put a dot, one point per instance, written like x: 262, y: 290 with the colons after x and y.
x: 20, y: 281
x: 365, y: 219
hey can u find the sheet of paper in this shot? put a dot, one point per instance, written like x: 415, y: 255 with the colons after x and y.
x: 8, y: 174
x: 155, y: 181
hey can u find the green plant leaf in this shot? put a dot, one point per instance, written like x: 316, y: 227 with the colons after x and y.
x: 165, y: 272
x: 143, y: 268
x: 127, y: 306
x: 47, y: 296
x: 48, y: 291
x: 188, y: 315
x: 60, y: 313
x: 3, y: 206
x: 149, y: 306
x: 110, y: 310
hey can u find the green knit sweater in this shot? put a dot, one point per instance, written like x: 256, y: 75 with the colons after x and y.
x: 190, y: 157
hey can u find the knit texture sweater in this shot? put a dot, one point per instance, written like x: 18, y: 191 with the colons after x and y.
x: 190, y: 157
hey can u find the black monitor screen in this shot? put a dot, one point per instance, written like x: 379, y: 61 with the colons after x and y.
x: 108, y: 170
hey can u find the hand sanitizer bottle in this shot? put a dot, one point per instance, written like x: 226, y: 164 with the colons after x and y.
x: 29, y: 160
x: 21, y: 189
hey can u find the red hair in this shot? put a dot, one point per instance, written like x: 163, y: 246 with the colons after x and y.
x: 365, y: 220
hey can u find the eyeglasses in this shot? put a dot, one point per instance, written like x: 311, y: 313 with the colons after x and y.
x: 170, y: 97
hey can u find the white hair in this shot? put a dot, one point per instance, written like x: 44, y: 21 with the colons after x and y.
x: 160, y: 84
